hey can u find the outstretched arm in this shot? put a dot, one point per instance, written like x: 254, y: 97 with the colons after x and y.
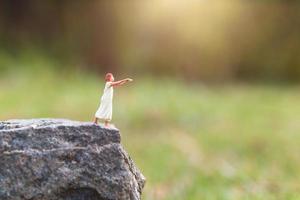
x: 121, y: 82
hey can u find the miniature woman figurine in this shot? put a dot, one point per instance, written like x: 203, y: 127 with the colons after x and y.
x: 104, y: 112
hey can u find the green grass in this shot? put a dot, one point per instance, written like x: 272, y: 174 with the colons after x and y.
x: 190, y: 141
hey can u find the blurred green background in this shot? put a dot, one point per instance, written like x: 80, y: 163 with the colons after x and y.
x: 213, y: 112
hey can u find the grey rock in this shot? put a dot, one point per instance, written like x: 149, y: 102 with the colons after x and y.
x: 58, y: 159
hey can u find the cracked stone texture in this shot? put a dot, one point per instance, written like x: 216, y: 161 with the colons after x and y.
x: 59, y: 159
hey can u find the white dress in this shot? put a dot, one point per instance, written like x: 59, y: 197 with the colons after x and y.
x: 105, y: 109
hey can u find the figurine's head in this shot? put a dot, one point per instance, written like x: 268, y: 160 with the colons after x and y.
x: 109, y: 77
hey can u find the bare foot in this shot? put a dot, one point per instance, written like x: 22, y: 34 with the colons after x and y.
x: 106, y: 124
x: 96, y: 120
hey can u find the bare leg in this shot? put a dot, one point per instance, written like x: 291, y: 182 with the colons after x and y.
x: 106, y: 123
x: 96, y: 120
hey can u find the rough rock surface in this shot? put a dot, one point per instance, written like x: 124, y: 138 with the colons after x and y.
x: 57, y: 159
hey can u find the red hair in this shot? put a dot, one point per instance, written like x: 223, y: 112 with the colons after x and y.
x: 108, y: 76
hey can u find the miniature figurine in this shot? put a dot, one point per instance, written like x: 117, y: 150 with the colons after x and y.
x: 104, y: 111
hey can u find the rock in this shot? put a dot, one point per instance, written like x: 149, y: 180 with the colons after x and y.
x: 58, y: 159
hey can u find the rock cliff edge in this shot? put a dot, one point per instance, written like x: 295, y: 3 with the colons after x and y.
x: 58, y: 159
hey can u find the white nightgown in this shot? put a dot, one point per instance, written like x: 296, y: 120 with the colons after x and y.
x: 105, y: 109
